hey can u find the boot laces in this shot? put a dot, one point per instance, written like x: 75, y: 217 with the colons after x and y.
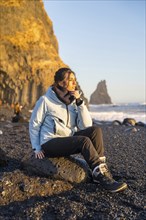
x: 105, y: 171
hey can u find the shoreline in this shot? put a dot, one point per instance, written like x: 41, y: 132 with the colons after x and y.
x: 112, y: 113
x: 7, y: 112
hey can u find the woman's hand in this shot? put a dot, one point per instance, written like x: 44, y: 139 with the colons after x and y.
x: 39, y: 154
x: 76, y: 94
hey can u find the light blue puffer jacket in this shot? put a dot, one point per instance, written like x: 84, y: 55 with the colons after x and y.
x: 51, y: 118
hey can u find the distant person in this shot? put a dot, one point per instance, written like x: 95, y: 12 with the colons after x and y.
x: 17, y: 113
x: 61, y: 125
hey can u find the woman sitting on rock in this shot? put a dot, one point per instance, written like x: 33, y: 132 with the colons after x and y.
x: 61, y: 125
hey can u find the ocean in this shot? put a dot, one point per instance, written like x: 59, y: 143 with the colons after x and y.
x: 118, y: 112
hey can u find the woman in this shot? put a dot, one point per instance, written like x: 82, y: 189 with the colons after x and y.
x: 61, y: 125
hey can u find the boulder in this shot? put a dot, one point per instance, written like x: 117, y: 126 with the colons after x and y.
x: 116, y: 122
x: 129, y: 122
x: 72, y: 169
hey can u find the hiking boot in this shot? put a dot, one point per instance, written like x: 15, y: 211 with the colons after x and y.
x: 102, y: 159
x: 102, y: 175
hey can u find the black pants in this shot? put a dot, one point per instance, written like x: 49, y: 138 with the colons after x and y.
x: 88, y: 142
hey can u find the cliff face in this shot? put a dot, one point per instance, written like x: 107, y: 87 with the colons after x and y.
x: 100, y: 95
x: 28, y: 51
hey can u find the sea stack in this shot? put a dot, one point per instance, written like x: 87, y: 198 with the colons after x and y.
x: 100, y: 95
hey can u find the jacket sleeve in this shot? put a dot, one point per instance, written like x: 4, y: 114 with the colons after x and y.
x: 35, y: 123
x: 84, y: 119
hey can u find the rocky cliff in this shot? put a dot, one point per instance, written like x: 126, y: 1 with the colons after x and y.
x: 100, y: 95
x: 28, y: 51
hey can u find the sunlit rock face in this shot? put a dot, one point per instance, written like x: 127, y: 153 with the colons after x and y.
x: 28, y: 51
x: 100, y: 95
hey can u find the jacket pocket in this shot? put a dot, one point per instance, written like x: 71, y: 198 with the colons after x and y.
x: 60, y: 129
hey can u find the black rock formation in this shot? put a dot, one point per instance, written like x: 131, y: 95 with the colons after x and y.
x: 100, y: 95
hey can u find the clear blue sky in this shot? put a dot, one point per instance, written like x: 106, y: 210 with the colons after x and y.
x: 103, y: 40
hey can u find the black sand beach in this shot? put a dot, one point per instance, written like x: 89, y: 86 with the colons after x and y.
x: 33, y: 197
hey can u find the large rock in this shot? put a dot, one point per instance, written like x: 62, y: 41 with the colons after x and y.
x: 129, y: 122
x: 28, y: 51
x: 72, y: 169
x: 100, y: 95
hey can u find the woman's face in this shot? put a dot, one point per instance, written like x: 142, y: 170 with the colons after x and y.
x: 69, y: 82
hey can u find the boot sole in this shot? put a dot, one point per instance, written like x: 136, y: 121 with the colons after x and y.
x: 122, y: 188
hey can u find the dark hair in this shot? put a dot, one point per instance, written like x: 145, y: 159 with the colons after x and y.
x: 60, y: 74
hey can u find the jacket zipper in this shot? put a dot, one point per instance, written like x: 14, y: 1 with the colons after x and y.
x: 67, y: 116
